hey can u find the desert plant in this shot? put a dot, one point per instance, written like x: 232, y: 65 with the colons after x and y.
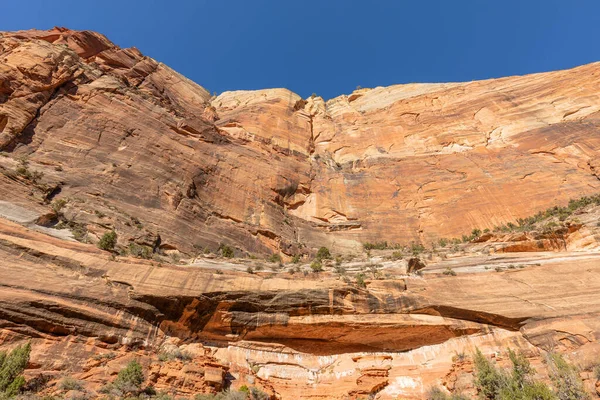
x: 360, y: 280
x: 340, y: 270
x: 488, y: 379
x: 274, y: 258
x: 70, y: 383
x: 437, y: 394
x: 108, y: 241
x: 104, y: 356
x: 226, y: 251
x: 323, y: 254
x: 316, y: 266
x: 449, y: 271
x: 518, y: 384
x: 58, y: 205
x: 140, y: 251
x: 375, y: 246
x: 176, y: 354
x: 257, y: 394
x: 565, y: 377
x: 12, y: 366
x: 130, y: 378
x: 296, y: 259
x: 459, y: 357
x: 417, y: 248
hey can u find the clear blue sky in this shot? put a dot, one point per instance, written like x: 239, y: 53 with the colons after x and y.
x: 331, y: 46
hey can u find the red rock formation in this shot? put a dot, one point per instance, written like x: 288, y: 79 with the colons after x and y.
x: 268, y: 171
x: 97, y: 138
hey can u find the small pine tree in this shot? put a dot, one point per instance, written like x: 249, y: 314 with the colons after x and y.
x: 130, y: 378
x: 108, y: 241
x: 488, y: 379
x: 323, y: 254
x: 567, y: 382
x: 518, y: 384
x: 11, y: 368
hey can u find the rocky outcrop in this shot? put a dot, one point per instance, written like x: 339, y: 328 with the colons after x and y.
x: 288, y: 335
x: 122, y: 136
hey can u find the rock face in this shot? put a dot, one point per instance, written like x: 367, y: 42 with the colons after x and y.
x: 89, y: 313
x: 267, y: 171
x: 95, y: 138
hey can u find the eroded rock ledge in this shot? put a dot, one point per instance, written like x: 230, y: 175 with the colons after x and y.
x: 316, y: 330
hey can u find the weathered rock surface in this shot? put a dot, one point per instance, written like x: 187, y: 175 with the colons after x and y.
x: 294, y: 337
x: 267, y: 171
x: 97, y: 138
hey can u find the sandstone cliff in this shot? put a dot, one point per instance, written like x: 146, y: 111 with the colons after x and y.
x: 268, y: 171
x: 95, y: 138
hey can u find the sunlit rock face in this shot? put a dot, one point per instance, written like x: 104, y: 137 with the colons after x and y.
x: 268, y: 171
x: 132, y: 146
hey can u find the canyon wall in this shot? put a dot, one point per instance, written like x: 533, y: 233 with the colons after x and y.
x: 267, y: 171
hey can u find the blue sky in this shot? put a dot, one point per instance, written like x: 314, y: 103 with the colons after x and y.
x: 330, y: 47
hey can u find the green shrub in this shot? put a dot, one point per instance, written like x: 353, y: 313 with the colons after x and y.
x: 296, y: 259
x: 565, y: 377
x: 130, y: 378
x: 274, y: 258
x: 257, y: 394
x: 70, y: 383
x: 58, y: 205
x: 360, y: 280
x: 323, y: 254
x: 176, y: 354
x: 12, y: 366
x: 488, y: 379
x: 140, y: 251
x: 316, y: 266
x: 449, y: 271
x: 437, y: 394
x: 417, y: 248
x: 518, y: 384
x: 397, y: 255
x: 108, y: 241
x: 226, y: 251
x: 375, y: 246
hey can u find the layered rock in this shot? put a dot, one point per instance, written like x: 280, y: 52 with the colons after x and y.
x: 268, y: 171
x: 96, y: 138
x: 293, y: 337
